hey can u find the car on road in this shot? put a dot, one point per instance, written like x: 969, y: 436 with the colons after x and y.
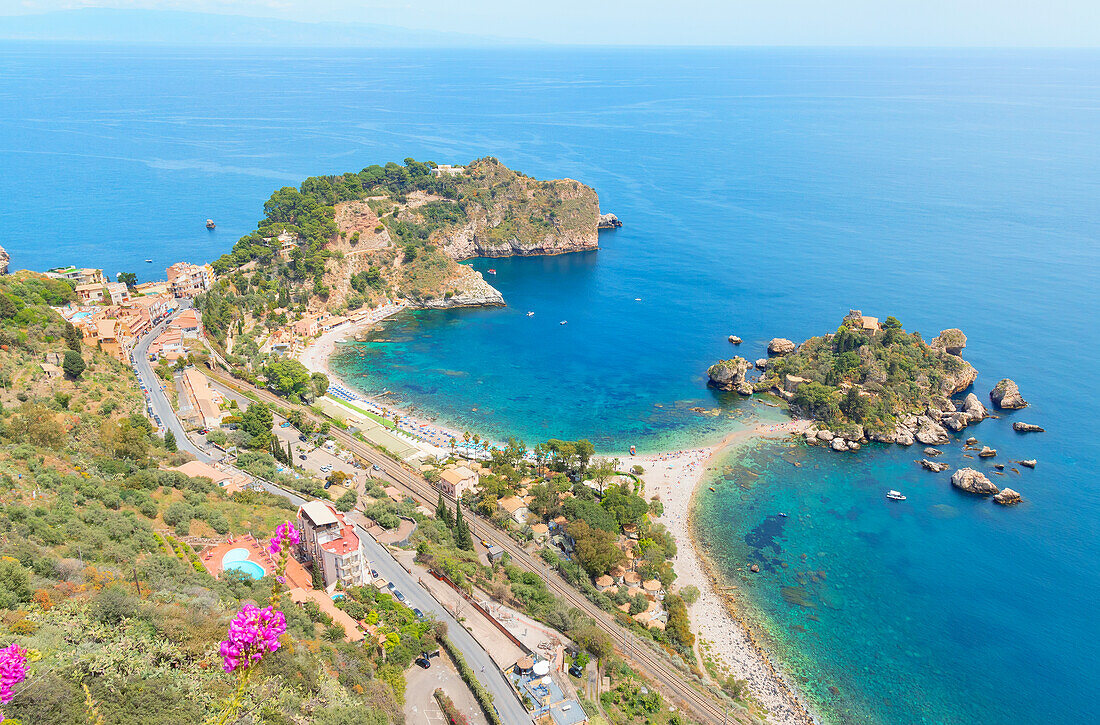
x: 418, y: 613
x: 303, y: 456
x: 376, y: 467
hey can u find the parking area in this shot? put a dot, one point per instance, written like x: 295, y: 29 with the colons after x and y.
x: 316, y: 460
x: 420, y: 705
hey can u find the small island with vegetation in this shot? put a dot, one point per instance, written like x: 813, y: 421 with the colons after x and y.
x: 866, y: 381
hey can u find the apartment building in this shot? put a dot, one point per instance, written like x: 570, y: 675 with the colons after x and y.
x: 187, y: 280
x: 330, y: 541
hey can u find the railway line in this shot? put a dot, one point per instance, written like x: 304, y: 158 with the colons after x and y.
x: 670, y: 680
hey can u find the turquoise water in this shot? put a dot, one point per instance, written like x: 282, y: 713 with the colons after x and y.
x: 238, y: 559
x: 764, y: 193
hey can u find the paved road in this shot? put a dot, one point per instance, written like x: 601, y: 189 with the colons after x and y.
x: 504, y: 697
x: 645, y: 660
x: 161, y: 403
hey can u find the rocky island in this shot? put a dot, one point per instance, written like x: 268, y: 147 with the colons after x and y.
x: 866, y: 381
x: 351, y: 240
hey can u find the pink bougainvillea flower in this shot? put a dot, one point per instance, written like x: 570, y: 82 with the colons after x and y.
x: 286, y: 536
x: 13, y: 670
x: 253, y: 633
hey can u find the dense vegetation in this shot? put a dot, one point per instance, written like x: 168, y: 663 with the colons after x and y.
x: 868, y: 378
x: 97, y: 575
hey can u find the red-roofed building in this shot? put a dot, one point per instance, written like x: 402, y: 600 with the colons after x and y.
x: 330, y: 541
x: 188, y: 323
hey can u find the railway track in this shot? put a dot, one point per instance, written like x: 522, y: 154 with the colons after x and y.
x: 671, y: 681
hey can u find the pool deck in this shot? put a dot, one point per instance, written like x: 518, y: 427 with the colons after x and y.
x: 211, y: 558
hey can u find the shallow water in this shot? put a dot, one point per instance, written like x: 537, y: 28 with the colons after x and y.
x: 764, y: 192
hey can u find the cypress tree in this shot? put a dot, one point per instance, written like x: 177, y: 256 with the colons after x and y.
x: 463, y: 539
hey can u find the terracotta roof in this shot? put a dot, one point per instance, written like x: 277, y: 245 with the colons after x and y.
x: 652, y: 585
x: 604, y: 581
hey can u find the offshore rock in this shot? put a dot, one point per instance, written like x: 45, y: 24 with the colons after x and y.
x: 933, y: 466
x: 932, y: 434
x: 974, y: 408
x: 781, y: 346
x: 971, y: 481
x: 1007, y: 497
x: 728, y: 374
x: 1006, y: 394
x: 734, y: 340
x: 987, y: 452
x: 1030, y: 463
x: 1021, y: 427
x: 608, y: 221
x: 762, y: 364
x: 933, y: 452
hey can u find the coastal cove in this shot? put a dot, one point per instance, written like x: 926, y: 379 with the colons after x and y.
x: 763, y: 194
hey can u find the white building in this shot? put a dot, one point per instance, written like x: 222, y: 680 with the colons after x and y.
x: 331, y: 542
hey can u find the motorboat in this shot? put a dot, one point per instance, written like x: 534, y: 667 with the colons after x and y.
x: 530, y: 314
x: 895, y: 495
x: 782, y: 515
x: 564, y: 322
x: 149, y: 261
x: 210, y: 224
x: 491, y: 271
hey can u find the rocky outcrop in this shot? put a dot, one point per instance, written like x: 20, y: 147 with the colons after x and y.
x: 839, y: 444
x: 5, y: 260
x: 734, y: 340
x: 1029, y: 463
x: 934, y: 466
x: 933, y: 452
x: 987, y: 452
x: 469, y: 290
x: 973, y: 408
x: 951, y: 341
x: 971, y: 481
x: 608, y: 221
x: 931, y: 433
x: 762, y: 363
x: 781, y: 346
x: 955, y: 421
x: 729, y: 374
x: 1006, y: 394
x: 1021, y: 427
x: 1007, y: 497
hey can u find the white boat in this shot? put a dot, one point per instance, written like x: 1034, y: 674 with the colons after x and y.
x: 530, y: 314
x: 895, y: 495
x: 564, y: 322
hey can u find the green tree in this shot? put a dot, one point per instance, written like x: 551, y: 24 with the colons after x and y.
x: 595, y: 548
x: 256, y: 421
x: 442, y: 513
x: 463, y: 539
x: 288, y: 377
x: 15, y: 584
x: 170, y: 441
x: 347, y: 502
x: 73, y: 338
x: 128, y: 278
x: 73, y: 364
x: 320, y: 384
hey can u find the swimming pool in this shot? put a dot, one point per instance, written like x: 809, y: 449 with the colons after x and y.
x: 238, y: 559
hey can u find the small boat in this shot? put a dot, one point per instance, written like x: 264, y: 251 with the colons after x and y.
x: 894, y: 495
x: 491, y: 271
x: 782, y: 515
x: 530, y: 314
x: 637, y: 299
x: 633, y: 451
x: 564, y: 322
x: 149, y: 261
x: 210, y: 224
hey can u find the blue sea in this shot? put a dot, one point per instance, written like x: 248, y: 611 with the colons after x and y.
x: 764, y: 193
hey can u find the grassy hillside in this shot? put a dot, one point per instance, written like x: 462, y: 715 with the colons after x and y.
x: 96, y: 577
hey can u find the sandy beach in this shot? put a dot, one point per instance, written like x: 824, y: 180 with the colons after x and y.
x: 674, y: 477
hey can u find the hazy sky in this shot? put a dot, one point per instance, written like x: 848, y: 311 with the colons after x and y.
x: 685, y: 22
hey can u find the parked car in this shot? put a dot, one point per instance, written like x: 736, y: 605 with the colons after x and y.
x: 423, y: 662
x: 576, y: 671
x: 418, y: 613
x: 303, y: 456
x: 376, y: 467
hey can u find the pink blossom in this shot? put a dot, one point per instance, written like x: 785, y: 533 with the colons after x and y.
x: 285, y: 536
x: 13, y: 670
x: 253, y: 633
